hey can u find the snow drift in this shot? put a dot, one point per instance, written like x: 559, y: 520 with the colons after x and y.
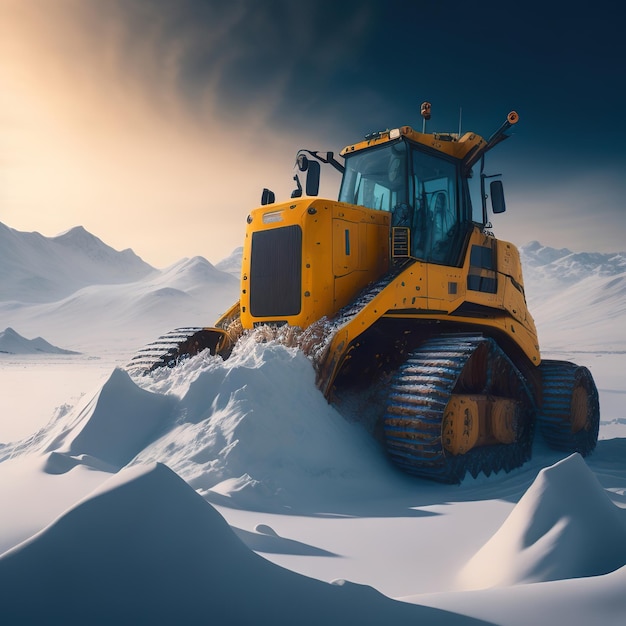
x: 564, y: 526
x: 120, y: 421
x: 218, y: 424
x: 145, y: 548
x: 256, y: 430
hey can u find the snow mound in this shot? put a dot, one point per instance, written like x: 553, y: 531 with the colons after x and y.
x: 144, y: 548
x: 255, y: 429
x: 11, y: 342
x: 252, y: 431
x: 113, y: 427
x: 565, y: 526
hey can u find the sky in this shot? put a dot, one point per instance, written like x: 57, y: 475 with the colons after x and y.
x: 155, y: 124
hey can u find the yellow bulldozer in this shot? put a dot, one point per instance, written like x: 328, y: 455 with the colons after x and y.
x: 400, y: 285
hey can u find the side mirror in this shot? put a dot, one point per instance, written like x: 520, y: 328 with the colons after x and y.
x: 267, y: 197
x: 496, y: 191
x: 302, y: 162
x: 313, y: 178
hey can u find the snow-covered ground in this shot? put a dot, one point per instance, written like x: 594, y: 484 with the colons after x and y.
x: 231, y: 492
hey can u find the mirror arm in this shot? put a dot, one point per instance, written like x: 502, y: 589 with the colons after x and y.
x: 297, y: 193
x: 329, y: 159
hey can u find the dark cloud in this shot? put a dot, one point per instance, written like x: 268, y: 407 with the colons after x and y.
x: 361, y: 65
x: 162, y: 89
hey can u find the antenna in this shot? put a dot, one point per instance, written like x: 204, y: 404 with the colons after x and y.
x: 460, y: 118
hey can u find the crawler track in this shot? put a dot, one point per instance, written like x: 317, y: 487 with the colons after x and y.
x: 419, y: 393
x: 570, y: 414
x: 169, y: 349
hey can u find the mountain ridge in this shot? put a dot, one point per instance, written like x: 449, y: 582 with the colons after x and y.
x: 35, y: 268
x: 11, y: 342
x: 570, y: 266
x: 44, y: 281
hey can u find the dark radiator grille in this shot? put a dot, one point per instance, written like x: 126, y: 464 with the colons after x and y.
x: 276, y: 272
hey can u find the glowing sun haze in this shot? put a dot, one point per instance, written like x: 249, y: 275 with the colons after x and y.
x: 95, y: 133
x: 155, y: 124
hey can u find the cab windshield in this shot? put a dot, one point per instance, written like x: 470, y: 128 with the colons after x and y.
x: 376, y: 178
x: 419, y: 189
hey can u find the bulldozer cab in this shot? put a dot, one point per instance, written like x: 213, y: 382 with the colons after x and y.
x: 422, y: 189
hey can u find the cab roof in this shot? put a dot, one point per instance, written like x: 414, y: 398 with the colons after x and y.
x: 447, y: 143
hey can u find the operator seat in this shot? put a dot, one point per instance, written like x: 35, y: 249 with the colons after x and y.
x: 442, y: 222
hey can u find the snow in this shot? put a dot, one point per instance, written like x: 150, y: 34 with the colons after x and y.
x: 34, y: 268
x: 232, y: 492
x: 565, y: 506
x: 580, y: 295
x: 232, y: 263
x: 13, y: 343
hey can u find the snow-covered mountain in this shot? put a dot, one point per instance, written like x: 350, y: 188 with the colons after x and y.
x: 232, y: 263
x: 550, y: 270
x: 73, y: 288
x: 13, y: 343
x: 576, y: 298
x: 34, y: 268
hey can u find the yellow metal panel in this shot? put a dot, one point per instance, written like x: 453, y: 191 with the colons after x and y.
x: 332, y: 273
x: 446, y: 287
x: 345, y: 247
x: 509, y: 262
x: 407, y: 297
x: 445, y: 143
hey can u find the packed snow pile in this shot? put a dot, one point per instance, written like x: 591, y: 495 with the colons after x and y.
x: 232, y: 437
x: 115, y: 426
x: 12, y: 342
x: 218, y: 424
x: 145, y: 548
x: 564, y: 526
